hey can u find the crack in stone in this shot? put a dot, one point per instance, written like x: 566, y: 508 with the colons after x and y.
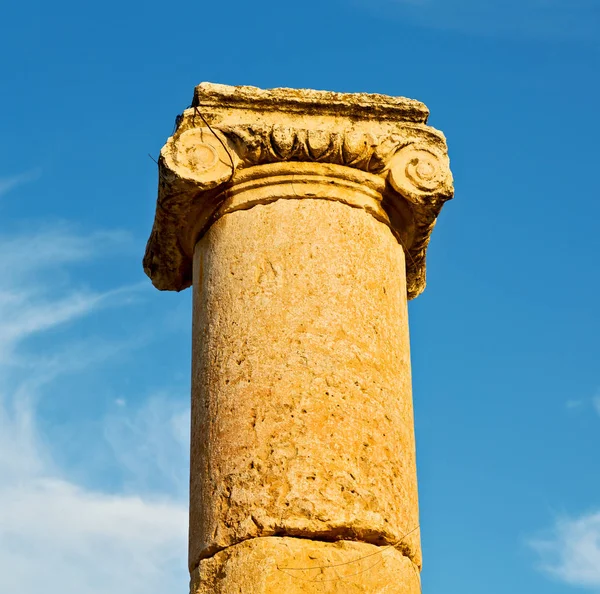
x: 250, y: 204
x: 330, y: 538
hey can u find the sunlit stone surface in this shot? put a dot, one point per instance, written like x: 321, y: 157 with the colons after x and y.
x: 302, y: 220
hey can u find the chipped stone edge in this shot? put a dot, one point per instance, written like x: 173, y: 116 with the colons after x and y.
x: 311, y: 101
x: 185, y: 196
x: 225, y: 552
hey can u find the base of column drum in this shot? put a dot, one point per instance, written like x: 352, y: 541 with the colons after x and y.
x: 274, y: 565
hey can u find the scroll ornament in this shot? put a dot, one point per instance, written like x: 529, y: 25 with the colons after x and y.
x: 198, y: 164
x: 208, y: 157
x: 417, y: 173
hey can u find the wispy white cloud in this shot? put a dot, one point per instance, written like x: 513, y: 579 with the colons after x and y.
x: 77, y: 540
x: 8, y: 183
x: 89, y: 541
x: 26, y: 255
x: 575, y: 19
x: 74, y: 540
x: 571, y: 552
x: 574, y: 404
x: 584, y: 404
x: 55, y: 532
x: 26, y: 315
x: 151, y: 444
x: 33, y: 295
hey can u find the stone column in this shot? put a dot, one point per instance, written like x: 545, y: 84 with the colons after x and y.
x: 301, y: 218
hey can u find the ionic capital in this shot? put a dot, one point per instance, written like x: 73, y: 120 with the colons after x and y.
x: 239, y: 146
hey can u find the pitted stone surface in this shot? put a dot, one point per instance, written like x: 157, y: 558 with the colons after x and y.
x: 293, y: 566
x: 302, y: 420
x: 302, y: 218
x: 230, y: 129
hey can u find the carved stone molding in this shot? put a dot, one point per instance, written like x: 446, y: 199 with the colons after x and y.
x: 258, y: 145
x: 230, y: 130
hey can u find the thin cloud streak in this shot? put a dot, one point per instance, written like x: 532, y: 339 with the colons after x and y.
x: 571, y: 552
x: 576, y: 20
x: 28, y: 315
x: 151, y: 445
x: 71, y: 538
x: 10, y: 183
x: 85, y: 541
x: 574, y: 404
x: 32, y: 300
x: 24, y: 256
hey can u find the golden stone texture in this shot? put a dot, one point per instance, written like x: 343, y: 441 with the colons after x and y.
x: 229, y: 129
x: 302, y: 219
x: 302, y: 411
x: 292, y: 566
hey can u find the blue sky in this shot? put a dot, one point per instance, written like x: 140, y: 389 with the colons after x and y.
x: 94, y: 363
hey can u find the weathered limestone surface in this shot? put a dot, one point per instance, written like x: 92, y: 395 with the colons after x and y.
x: 230, y: 129
x: 302, y: 218
x: 301, y: 396
x: 293, y: 566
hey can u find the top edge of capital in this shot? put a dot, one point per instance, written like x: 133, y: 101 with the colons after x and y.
x: 358, y: 105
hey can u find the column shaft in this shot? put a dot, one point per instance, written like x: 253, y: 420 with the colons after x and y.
x: 302, y: 422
